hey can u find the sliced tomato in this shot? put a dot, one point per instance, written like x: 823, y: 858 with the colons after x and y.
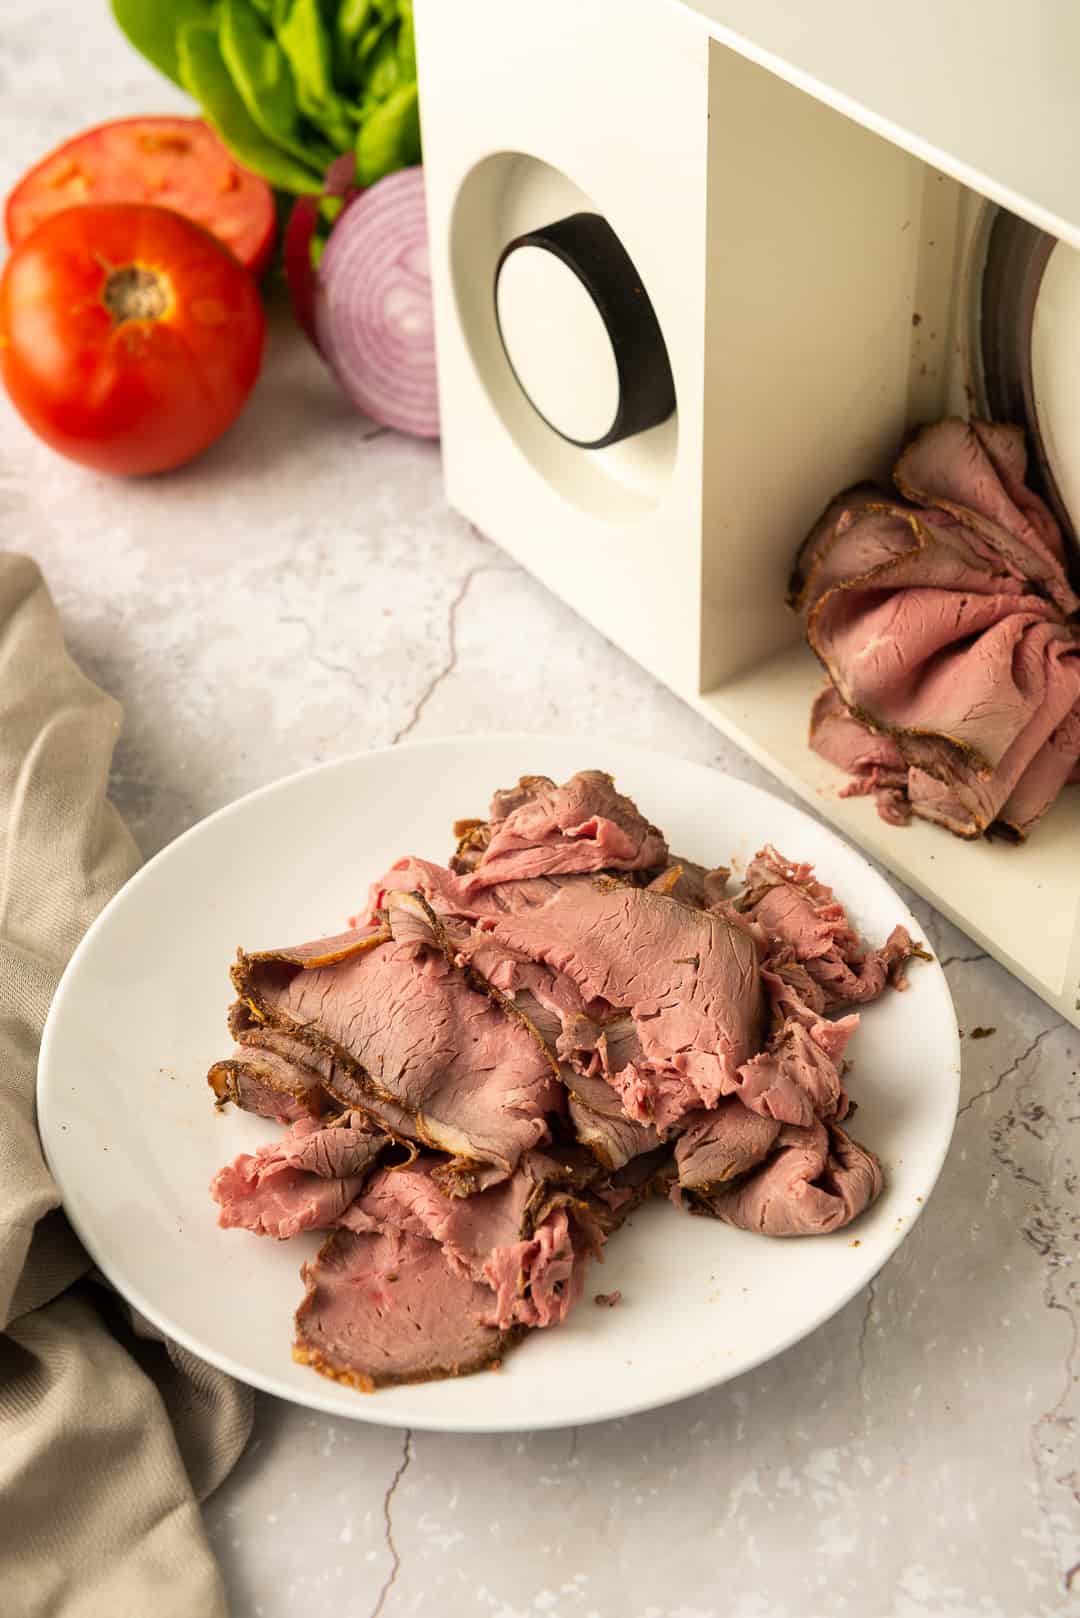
x: 177, y: 163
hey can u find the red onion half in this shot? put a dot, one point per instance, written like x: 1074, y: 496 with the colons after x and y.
x: 373, y: 309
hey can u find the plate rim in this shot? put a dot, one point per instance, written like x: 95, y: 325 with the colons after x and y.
x: 326, y: 1401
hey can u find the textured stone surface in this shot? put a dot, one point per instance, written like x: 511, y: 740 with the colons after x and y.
x: 304, y: 592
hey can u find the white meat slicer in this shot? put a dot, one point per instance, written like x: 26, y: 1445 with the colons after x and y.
x: 699, y: 265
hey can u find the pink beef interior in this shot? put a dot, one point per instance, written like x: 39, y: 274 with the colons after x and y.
x: 947, y: 628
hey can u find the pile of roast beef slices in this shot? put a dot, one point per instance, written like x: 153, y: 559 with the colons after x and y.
x: 481, y: 1079
x: 948, y: 628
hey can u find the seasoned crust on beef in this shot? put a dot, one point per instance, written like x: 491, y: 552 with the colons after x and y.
x: 404, y: 1022
x: 397, y: 1350
x: 303, y: 1354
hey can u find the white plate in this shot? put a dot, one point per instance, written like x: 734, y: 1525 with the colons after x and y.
x: 132, y: 1137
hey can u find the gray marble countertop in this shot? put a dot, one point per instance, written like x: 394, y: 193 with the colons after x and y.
x: 303, y: 591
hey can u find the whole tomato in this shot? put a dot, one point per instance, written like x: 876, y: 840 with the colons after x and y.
x: 130, y: 338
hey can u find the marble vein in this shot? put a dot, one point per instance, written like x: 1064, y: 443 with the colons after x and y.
x: 388, y: 1520
x: 864, y: 1329
x: 1007, y: 1073
x: 450, y: 664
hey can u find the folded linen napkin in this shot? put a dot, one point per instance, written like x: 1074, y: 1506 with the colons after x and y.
x: 109, y: 1437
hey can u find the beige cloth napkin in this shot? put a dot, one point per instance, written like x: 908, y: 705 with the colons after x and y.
x: 108, y: 1436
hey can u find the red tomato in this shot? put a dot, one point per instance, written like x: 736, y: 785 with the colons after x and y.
x: 175, y: 163
x: 129, y: 337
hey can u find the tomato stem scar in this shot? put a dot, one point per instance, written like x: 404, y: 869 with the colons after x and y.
x: 135, y: 293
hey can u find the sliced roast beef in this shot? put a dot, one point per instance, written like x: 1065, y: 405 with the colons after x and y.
x: 527, y: 1238
x: 795, y: 1079
x: 975, y: 471
x: 972, y: 669
x: 723, y: 1145
x: 692, y: 884
x: 406, y: 1025
x: 887, y: 546
x: 874, y: 761
x: 475, y: 835
x: 1053, y: 767
x: 946, y: 635
x: 540, y: 829
x: 688, y: 979
x: 297, y: 1080
x: 850, y: 745
x: 600, y: 1123
x: 449, y: 894
x: 817, y: 1180
x: 798, y: 911
x: 303, y: 1181
x: 464, y: 1276
x: 384, y: 1307
x: 840, y: 524
x: 274, y: 1083
x: 798, y: 1076
x: 253, y: 1087
x: 1006, y: 448
x: 567, y: 1023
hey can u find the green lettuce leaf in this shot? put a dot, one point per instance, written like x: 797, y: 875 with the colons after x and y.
x: 292, y: 84
x: 204, y: 75
x: 260, y: 72
x: 152, y: 26
x: 389, y: 137
x: 304, y: 38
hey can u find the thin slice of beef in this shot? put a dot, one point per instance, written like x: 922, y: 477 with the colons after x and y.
x: 403, y: 1024
x: 797, y: 911
x: 527, y: 1239
x: 550, y: 1003
x: 417, y: 1286
x: 975, y: 471
x: 1052, y: 768
x: 540, y: 829
x: 383, y: 1307
x: 875, y: 763
x: 945, y: 633
x: 818, y: 1180
x: 797, y: 1078
x: 688, y: 980
x: 692, y: 884
x: 847, y: 743
x: 649, y: 1099
x: 253, y: 1087
x: 278, y: 1075
x: 878, y: 543
x: 722, y: 1145
x: 303, y: 1181
x: 600, y: 1123
x: 271, y: 1082
x: 921, y: 661
x: 475, y: 835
